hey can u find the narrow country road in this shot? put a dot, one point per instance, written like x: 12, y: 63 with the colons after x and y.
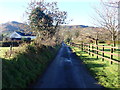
x: 66, y: 71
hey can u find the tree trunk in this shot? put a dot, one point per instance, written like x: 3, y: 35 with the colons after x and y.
x: 56, y: 25
x: 113, y: 39
x: 96, y: 42
x: 114, y: 43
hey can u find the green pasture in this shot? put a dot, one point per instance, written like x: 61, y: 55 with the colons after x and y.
x: 107, y: 74
x: 107, y: 49
x: 6, y: 49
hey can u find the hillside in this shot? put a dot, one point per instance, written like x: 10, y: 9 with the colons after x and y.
x: 74, y: 26
x: 17, y: 26
x: 12, y: 26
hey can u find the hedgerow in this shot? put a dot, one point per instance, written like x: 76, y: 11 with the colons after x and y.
x: 27, y: 66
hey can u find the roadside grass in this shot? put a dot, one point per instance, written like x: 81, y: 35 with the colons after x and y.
x: 106, y: 74
x: 25, y: 67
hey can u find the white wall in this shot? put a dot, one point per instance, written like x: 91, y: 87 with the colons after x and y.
x: 32, y: 37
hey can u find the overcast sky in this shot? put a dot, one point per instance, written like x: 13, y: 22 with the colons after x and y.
x: 80, y: 11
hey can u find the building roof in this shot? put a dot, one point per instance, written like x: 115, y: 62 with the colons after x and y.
x: 24, y: 34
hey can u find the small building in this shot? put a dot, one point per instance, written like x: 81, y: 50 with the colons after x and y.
x: 20, y: 36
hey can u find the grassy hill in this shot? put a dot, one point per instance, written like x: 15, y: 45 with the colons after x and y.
x: 12, y: 26
x: 7, y: 28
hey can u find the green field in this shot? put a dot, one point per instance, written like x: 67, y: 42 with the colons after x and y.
x: 6, y: 49
x: 106, y: 74
x: 107, y: 49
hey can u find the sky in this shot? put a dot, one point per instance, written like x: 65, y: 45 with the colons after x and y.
x: 79, y: 11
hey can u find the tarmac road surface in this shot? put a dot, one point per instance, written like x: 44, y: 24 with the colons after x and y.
x: 66, y: 71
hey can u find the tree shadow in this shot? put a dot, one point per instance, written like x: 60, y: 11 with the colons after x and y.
x: 89, y: 58
x: 78, y: 52
x: 93, y: 65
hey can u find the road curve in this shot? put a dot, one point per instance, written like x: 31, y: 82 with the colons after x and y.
x: 66, y: 71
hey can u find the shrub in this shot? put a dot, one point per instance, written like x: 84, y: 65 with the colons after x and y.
x: 13, y: 43
x: 8, y: 43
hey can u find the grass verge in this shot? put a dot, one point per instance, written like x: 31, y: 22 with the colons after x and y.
x: 106, y: 74
x: 25, y: 67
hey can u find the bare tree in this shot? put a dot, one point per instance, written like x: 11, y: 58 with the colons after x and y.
x: 112, y: 3
x: 107, y: 19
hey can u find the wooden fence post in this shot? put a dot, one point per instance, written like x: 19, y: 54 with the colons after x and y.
x: 97, y: 51
x: 89, y: 48
x: 92, y: 50
x: 82, y: 46
x: 111, y: 57
x: 103, y: 53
